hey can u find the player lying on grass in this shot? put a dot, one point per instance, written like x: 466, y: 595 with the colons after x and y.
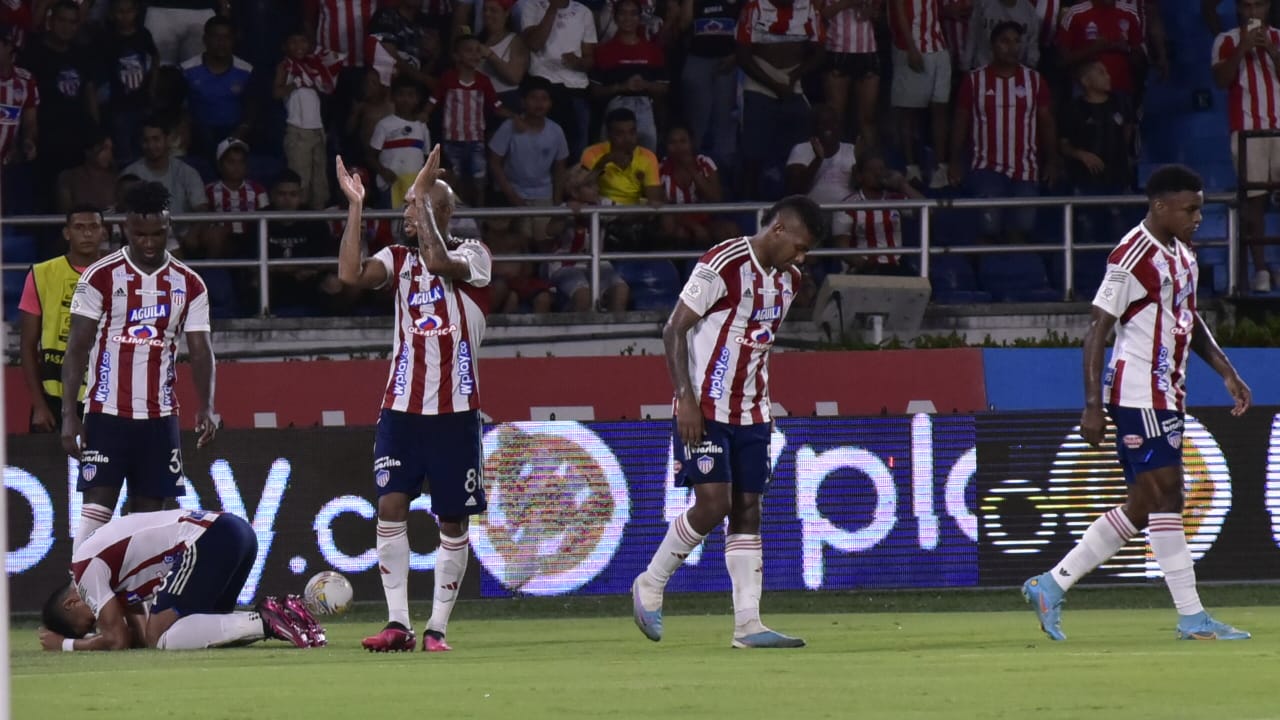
x: 193, y: 564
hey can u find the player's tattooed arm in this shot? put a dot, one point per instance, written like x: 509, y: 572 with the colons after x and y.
x: 1092, y: 421
x: 74, y: 363
x: 352, y: 269
x: 675, y: 339
x: 1206, y: 346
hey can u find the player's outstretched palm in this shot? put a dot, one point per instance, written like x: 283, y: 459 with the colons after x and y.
x: 1241, y: 393
x: 351, y: 184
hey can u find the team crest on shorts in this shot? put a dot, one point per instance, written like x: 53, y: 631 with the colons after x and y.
x: 382, y: 477
x: 89, y: 472
x: 705, y: 463
x: 1133, y: 442
x: 1175, y: 440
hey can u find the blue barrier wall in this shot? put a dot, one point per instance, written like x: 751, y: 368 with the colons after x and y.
x: 1052, y: 379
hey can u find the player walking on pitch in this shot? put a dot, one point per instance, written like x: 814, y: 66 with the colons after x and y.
x: 717, y: 344
x: 429, y: 427
x: 1149, y: 298
x: 127, y: 313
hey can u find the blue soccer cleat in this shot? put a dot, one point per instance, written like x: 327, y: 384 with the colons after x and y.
x: 1202, y: 627
x: 649, y: 621
x: 767, y: 639
x: 1045, y: 596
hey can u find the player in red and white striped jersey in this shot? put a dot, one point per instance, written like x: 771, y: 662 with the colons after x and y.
x: 1005, y: 114
x: 341, y: 26
x: 192, y: 564
x: 718, y: 341
x: 430, y: 420
x: 127, y: 313
x: 19, y: 98
x: 1149, y: 298
x: 1246, y: 62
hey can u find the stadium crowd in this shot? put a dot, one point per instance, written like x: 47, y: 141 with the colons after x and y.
x: 238, y: 105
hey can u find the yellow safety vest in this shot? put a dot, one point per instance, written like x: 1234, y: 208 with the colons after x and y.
x: 55, y: 283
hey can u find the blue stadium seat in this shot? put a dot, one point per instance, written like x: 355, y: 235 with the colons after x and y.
x: 952, y: 228
x: 1016, y: 278
x: 953, y: 281
x: 222, y: 293
x: 654, y: 283
x: 19, y: 245
x: 13, y: 280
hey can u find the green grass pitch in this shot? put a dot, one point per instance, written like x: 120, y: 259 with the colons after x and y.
x: 892, y: 662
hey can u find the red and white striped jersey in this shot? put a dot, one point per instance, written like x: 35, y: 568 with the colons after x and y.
x: 686, y: 194
x: 923, y: 26
x: 465, y: 104
x: 741, y: 306
x: 139, y: 316
x: 18, y: 94
x: 852, y: 30
x: 1151, y: 288
x: 955, y: 31
x: 1003, y: 115
x: 341, y: 27
x: 248, y: 197
x: 1253, y: 100
x: 129, y: 557
x: 869, y: 228
x: 439, y: 326
x: 763, y: 23
x: 1049, y: 12
x: 1068, y: 14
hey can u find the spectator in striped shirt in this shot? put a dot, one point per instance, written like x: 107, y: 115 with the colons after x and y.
x: 233, y: 193
x: 1005, y: 117
x: 19, y: 98
x: 853, y: 58
x: 690, y: 178
x: 873, y: 228
x: 466, y: 95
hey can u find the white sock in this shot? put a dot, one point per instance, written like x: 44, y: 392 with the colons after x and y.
x: 744, y: 556
x: 1169, y: 544
x: 197, y: 632
x: 393, y: 564
x: 92, y: 517
x: 680, y: 540
x: 451, y: 565
x: 1103, y: 539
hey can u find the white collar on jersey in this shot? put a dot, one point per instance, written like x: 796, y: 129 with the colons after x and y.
x: 129, y: 259
x: 755, y: 260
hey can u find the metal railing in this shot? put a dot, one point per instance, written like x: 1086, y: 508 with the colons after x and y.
x: 926, y: 247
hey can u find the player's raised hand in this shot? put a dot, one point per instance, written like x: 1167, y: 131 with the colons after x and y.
x: 1093, y: 425
x: 206, y: 428
x: 427, y: 176
x: 352, y: 185
x: 72, y: 429
x: 1240, y: 392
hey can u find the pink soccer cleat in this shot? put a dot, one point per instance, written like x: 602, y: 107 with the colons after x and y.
x: 434, y: 642
x: 279, y: 623
x: 315, y: 632
x: 393, y: 638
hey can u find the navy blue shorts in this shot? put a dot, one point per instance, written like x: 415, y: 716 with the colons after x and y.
x: 442, y: 450
x: 1146, y: 439
x: 737, y: 454
x: 208, y: 576
x: 147, y: 452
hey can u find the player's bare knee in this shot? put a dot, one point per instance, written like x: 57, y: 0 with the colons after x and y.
x: 146, y: 504
x: 393, y: 507
x: 453, y: 527
x: 159, y: 624
x: 104, y: 496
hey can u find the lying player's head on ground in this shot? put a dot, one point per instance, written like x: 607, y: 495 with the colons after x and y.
x: 66, y: 614
x: 620, y: 130
x: 84, y: 230
x: 1006, y: 43
x: 146, y: 221
x: 1176, y: 195
x: 791, y: 227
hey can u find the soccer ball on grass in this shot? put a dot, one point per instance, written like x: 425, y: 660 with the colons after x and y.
x: 328, y: 593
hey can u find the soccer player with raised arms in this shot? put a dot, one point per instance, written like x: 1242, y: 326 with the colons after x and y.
x: 717, y: 342
x: 127, y: 313
x: 1149, y: 298
x: 429, y: 427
